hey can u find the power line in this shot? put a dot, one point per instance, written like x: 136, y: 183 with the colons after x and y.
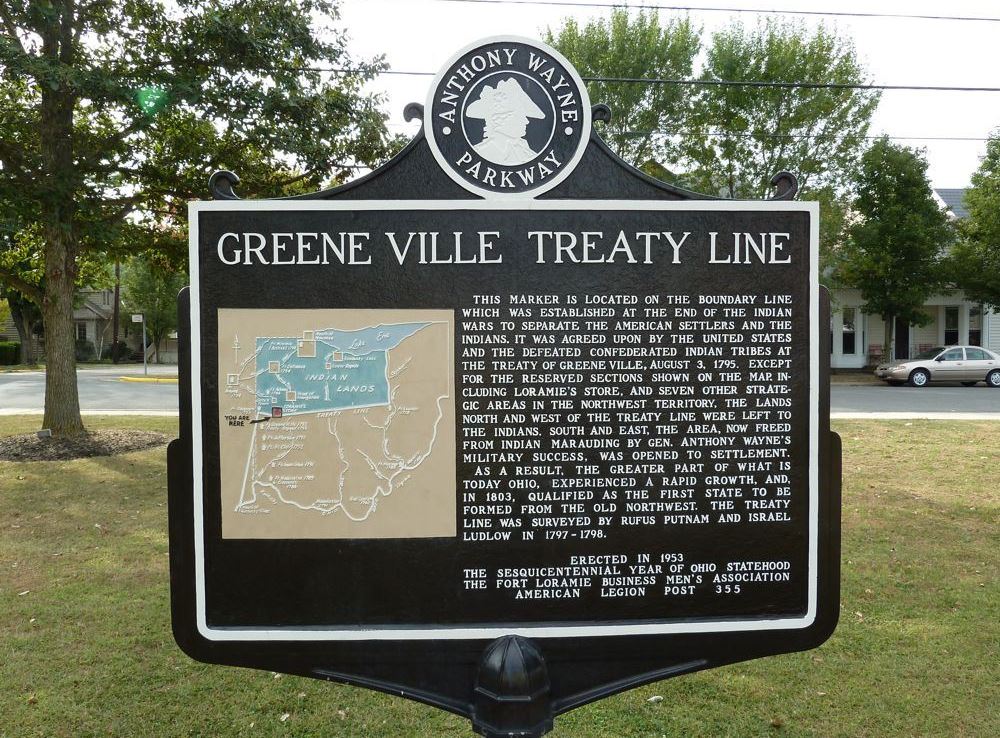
x: 803, y: 85
x: 688, y: 82
x: 756, y: 11
x: 645, y: 80
x: 801, y: 135
x: 777, y: 135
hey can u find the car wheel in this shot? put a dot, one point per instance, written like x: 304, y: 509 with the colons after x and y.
x: 969, y: 384
x: 895, y: 382
x: 919, y: 378
x: 993, y: 378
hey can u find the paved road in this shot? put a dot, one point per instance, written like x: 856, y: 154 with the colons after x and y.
x: 935, y: 401
x: 101, y: 389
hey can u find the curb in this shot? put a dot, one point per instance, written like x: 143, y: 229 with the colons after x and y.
x: 38, y: 411
x: 911, y: 415
x: 150, y: 380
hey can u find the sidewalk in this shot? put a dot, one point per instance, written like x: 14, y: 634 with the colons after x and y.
x: 119, y: 370
x: 860, y: 378
x: 129, y: 370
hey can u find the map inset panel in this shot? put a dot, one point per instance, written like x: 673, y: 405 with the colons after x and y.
x: 337, y: 423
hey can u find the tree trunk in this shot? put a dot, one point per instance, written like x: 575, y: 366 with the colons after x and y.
x: 62, y: 400
x: 887, y: 354
x: 99, y: 343
x: 24, y: 331
x: 115, y: 316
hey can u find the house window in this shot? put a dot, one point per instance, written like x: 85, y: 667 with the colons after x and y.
x: 81, y: 331
x: 951, y: 325
x: 976, y: 325
x: 848, y: 336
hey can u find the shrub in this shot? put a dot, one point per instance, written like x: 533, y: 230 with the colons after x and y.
x: 123, y: 351
x: 85, y: 350
x: 10, y: 352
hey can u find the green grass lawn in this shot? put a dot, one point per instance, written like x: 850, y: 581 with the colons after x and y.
x: 86, y: 650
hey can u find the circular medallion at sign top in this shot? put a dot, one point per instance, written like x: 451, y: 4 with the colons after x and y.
x: 507, y: 117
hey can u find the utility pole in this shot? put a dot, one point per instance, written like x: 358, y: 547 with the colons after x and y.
x: 145, y: 367
x: 114, y: 331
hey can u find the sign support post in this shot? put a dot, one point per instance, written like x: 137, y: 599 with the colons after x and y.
x: 141, y: 318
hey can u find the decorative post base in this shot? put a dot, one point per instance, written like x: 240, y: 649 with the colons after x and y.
x: 512, y: 691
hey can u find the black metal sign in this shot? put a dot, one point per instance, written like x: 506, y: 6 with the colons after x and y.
x: 503, y: 455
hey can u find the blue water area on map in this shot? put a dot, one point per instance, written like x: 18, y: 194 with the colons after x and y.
x: 331, y: 370
x: 364, y: 340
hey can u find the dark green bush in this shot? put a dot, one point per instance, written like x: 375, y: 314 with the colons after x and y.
x: 123, y: 351
x: 10, y: 352
x: 85, y: 351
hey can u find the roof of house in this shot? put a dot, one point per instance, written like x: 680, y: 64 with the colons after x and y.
x: 954, y: 198
x: 90, y: 310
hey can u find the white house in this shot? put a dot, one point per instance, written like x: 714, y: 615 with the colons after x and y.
x: 858, y: 338
x: 92, y: 313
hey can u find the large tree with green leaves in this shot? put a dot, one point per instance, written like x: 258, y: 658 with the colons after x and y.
x: 22, y: 257
x: 975, y: 259
x: 112, y: 114
x: 894, y: 252
x: 834, y: 220
x: 740, y: 135
x: 730, y: 140
x: 645, y: 117
x: 149, y: 286
x: 717, y: 137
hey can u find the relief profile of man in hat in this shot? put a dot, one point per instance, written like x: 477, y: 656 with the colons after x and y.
x: 505, y: 109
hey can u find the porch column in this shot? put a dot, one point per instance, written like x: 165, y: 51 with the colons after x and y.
x: 940, y: 325
x: 963, y: 323
x: 836, y: 337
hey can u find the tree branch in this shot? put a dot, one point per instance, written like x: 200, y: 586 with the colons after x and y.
x: 105, y: 169
x: 110, y: 142
x: 32, y: 291
x: 67, y: 47
x: 128, y: 205
x: 298, y: 177
x: 12, y: 158
x: 11, y: 28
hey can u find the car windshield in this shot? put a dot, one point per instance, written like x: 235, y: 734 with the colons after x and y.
x: 930, y: 353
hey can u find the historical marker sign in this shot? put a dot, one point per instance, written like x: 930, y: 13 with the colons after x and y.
x: 415, y: 424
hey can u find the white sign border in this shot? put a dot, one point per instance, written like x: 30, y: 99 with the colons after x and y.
x: 584, y: 630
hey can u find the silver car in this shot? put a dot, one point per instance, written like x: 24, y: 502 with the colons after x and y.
x: 965, y: 364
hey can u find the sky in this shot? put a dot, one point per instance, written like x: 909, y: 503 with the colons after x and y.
x: 421, y: 35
